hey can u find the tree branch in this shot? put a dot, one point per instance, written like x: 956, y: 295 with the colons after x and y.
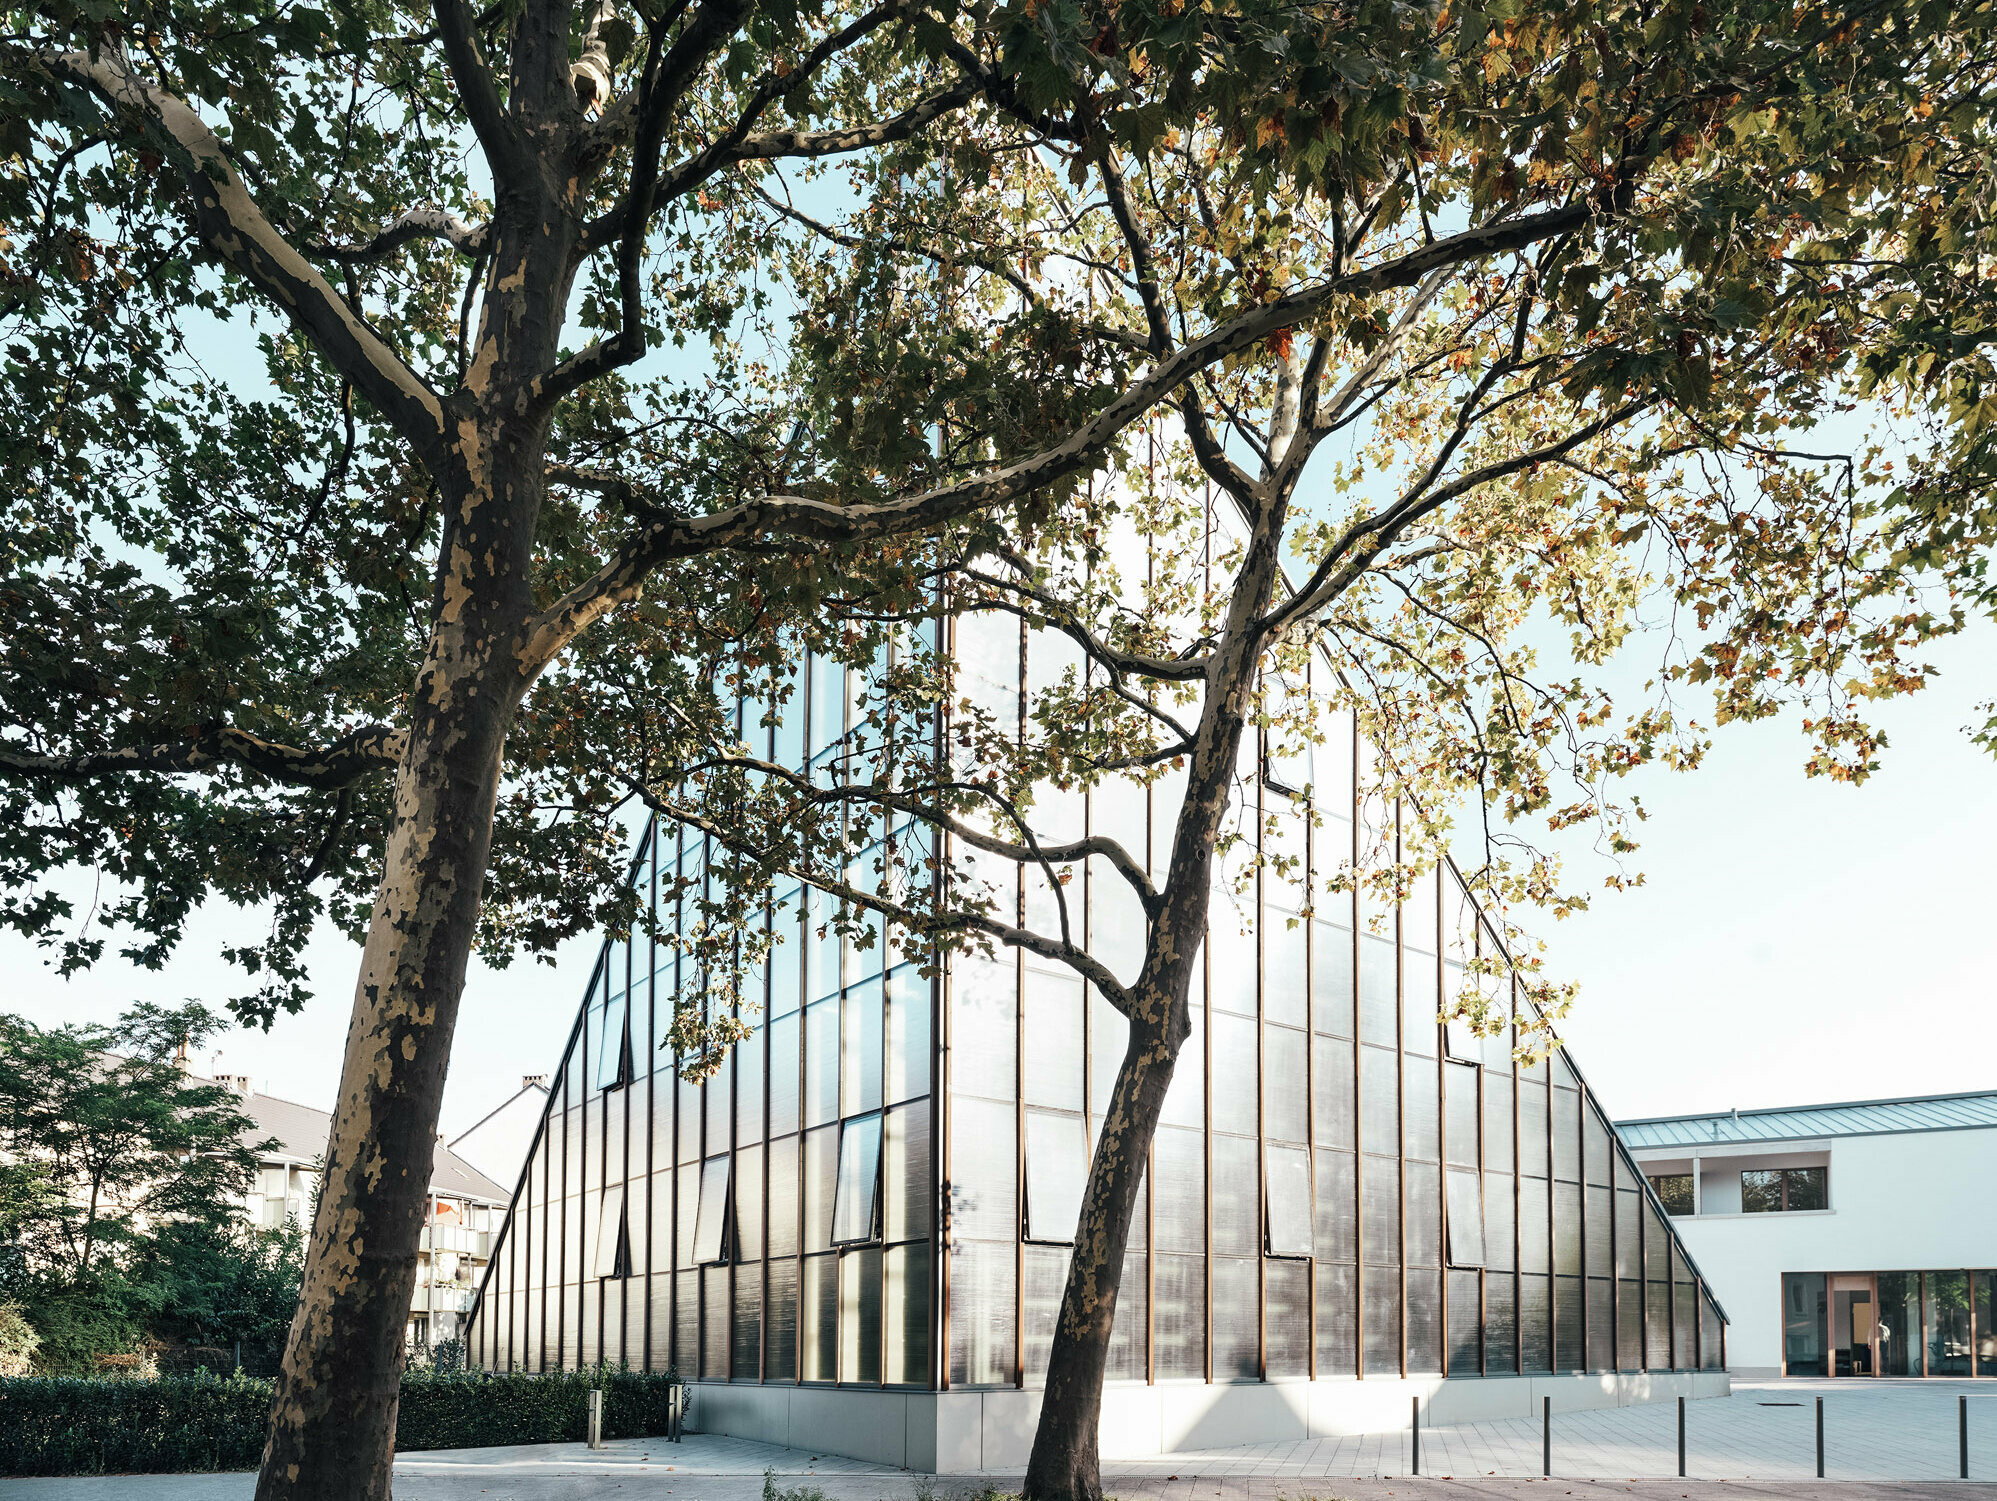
x: 505, y: 146
x: 1076, y: 958
x: 234, y: 230
x: 417, y: 224
x: 829, y: 523
x: 361, y: 753
x: 1380, y: 531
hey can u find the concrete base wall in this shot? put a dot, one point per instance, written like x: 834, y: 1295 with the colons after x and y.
x: 953, y: 1433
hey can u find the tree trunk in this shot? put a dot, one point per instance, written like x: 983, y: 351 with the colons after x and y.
x: 332, y: 1434
x: 1065, y: 1464
x: 333, y: 1427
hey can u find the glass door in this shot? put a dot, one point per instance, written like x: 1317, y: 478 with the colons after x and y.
x: 1854, y: 1326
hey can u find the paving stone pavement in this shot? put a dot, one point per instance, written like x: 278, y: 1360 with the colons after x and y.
x: 1875, y: 1431
x: 1885, y: 1441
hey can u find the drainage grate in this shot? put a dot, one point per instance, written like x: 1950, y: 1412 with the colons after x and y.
x: 1778, y: 1404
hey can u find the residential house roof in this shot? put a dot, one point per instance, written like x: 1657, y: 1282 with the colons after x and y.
x: 1938, y: 1112
x: 301, y: 1132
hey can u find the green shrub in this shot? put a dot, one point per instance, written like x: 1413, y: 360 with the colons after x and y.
x: 78, y: 1328
x: 66, y: 1425
x: 72, y: 1425
x: 17, y: 1341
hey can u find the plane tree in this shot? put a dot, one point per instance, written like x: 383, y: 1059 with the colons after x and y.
x: 424, y: 426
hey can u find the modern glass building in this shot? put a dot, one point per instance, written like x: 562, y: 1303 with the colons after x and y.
x: 856, y: 1234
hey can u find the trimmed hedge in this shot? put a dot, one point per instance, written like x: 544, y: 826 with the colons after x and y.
x: 74, y: 1425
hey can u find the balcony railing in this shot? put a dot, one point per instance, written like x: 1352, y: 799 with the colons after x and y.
x: 456, y: 1238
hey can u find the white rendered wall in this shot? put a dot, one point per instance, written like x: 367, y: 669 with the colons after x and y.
x: 1911, y: 1201
x: 962, y: 1432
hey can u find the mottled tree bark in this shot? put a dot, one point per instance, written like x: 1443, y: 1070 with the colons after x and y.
x: 332, y: 1432
x: 333, y: 1425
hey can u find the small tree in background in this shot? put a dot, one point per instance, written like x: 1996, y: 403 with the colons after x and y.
x: 133, y: 1165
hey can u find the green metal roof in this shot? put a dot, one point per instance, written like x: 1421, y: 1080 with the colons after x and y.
x: 1939, y: 1112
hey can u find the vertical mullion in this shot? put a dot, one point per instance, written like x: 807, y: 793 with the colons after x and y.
x: 1401, y: 1086
x: 653, y: 838
x: 1310, y: 1037
x: 1262, y: 1058
x: 1518, y: 1163
x: 1359, y: 1278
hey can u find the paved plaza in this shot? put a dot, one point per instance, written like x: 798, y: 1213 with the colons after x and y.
x: 1883, y: 1439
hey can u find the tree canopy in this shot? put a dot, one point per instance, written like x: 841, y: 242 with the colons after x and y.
x: 603, y: 359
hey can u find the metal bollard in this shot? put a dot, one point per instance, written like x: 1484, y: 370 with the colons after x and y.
x: 1962, y: 1434
x: 596, y: 1418
x: 1417, y: 1434
x: 1820, y: 1438
x: 1546, y: 1435
x: 1681, y: 1438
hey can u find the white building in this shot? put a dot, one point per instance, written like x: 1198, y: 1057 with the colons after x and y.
x: 466, y: 1205
x: 498, y: 1145
x: 1842, y: 1240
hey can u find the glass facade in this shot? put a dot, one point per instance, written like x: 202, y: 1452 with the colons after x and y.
x: 1933, y: 1323
x: 880, y: 1186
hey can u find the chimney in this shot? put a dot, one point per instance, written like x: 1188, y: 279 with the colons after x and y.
x: 533, y: 1081
x: 240, y: 1083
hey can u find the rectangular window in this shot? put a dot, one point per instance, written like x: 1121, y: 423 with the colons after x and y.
x: 1466, y: 1218
x: 710, y: 1240
x: 1784, y: 1189
x: 1674, y: 1191
x: 613, y: 1054
x: 857, y: 1195
x: 1057, y: 1174
x: 1287, y: 1173
x: 613, y: 1240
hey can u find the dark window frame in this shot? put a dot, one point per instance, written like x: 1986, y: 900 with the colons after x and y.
x: 861, y: 1182
x: 713, y: 1241
x: 1783, y: 1179
x: 620, y: 1247
x: 621, y: 1074
x: 1282, y: 1240
x: 1656, y: 1182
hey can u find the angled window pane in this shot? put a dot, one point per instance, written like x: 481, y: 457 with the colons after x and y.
x: 708, y: 1238
x: 613, y: 1053
x: 1460, y: 1114
x: 1057, y: 1174
x: 613, y: 1258
x: 1466, y: 1218
x: 1288, y: 1200
x: 859, y: 1179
